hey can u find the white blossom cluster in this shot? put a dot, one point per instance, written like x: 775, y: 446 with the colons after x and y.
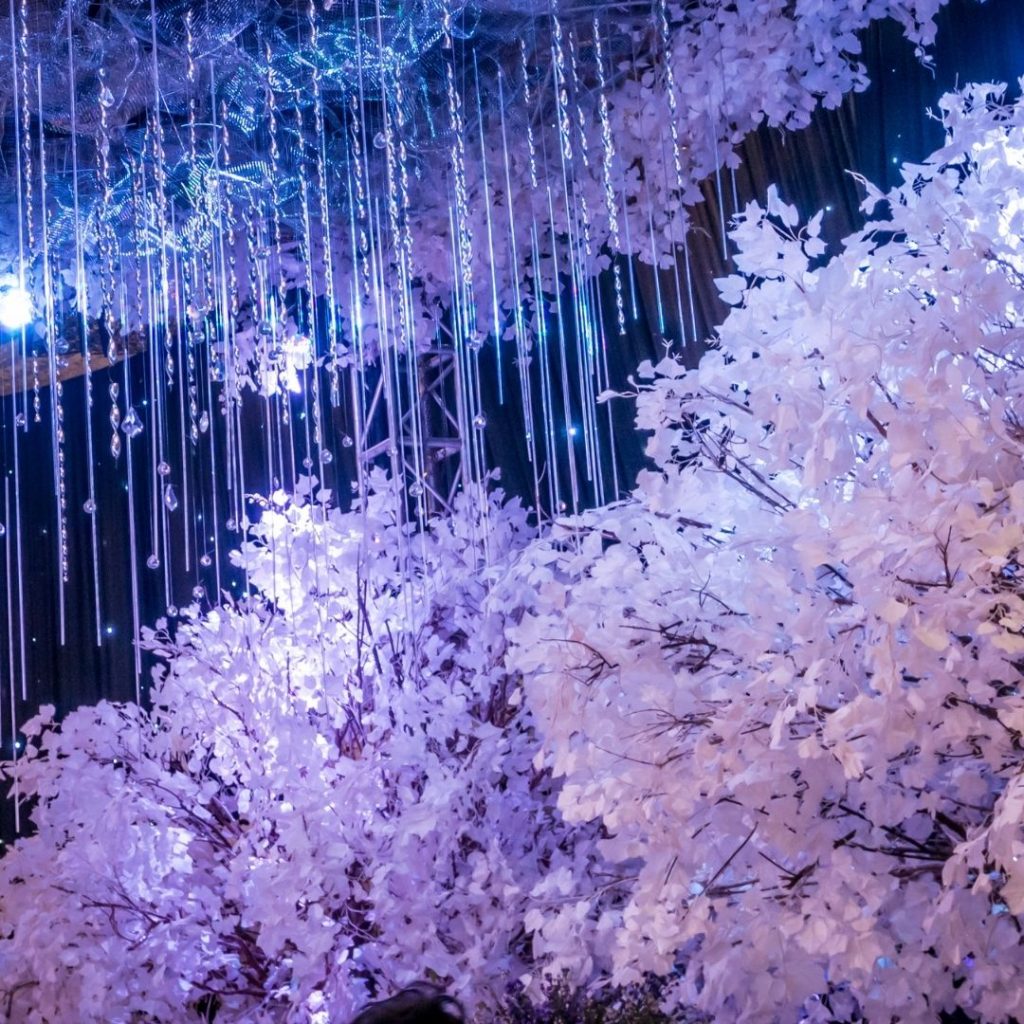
x: 789, y: 686
x: 331, y: 791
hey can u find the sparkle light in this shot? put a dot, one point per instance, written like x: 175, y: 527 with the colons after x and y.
x: 16, y: 309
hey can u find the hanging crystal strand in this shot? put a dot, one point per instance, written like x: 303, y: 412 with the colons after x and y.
x: 495, y: 311
x: 227, y: 212
x: 204, y: 331
x: 419, y: 471
x: 155, y: 377
x: 177, y: 323
x: 56, y: 387
x: 256, y: 263
x: 404, y: 354
x: 133, y: 544
x: 179, y: 320
x: 26, y: 122
x: 574, y: 252
x: 673, y: 104
x: 358, y: 364
x: 408, y: 413
x: 386, y: 347
x: 476, y: 339
x: 26, y: 176
x: 612, y: 209
x: 82, y: 301
x: 405, y: 229
x: 468, y: 423
x: 547, y: 402
x: 284, y: 426
x: 673, y: 181
x: 519, y: 325
x: 608, y: 165
x: 194, y: 314
x: 575, y: 259
x: 404, y: 247
x: 360, y: 210
x: 214, y: 362
x: 263, y: 310
x: 131, y: 425
x: 404, y: 346
x: 255, y: 260
x: 530, y: 142
x: 105, y: 244
x: 307, y: 335
x: 527, y: 100
x: 593, y: 355
x: 361, y: 154
x: 26, y: 159
x: 363, y: 307
x: 56, y: 420
x: 205, y: 283
x: 458, y: 157
x: 561, y: 88
x: 360, y: 289
x: 160, y: 313
x: 282, y: 429
x: 330, y: 298
x: 18, y: 537
x: 279, y: 303
x: 276, y: 305
x: 563, y: 360
x: 160, y: 184
x: 62, y: 489
x: 20, y: 418
x: 5, y: 540
x: 564, y: 129
x: 312, y: 392
x: 138, y: 280
x: 389, y: 355
x: 475, y: 470
x: 538, y: 301
x: 549, y: 346
x: 574, y: 81
x: 642, y: 205
x: 234, y: 365
x: 36, y: 401
x: 255, y: 285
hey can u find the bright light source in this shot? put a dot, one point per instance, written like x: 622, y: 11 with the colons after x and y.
x: 15, y: 307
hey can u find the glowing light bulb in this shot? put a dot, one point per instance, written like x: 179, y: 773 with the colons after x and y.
x: 15, y: 307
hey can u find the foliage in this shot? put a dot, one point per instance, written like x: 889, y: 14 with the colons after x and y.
x: 329, y: 797
x: 785, y: 675
x: 756, y: 731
